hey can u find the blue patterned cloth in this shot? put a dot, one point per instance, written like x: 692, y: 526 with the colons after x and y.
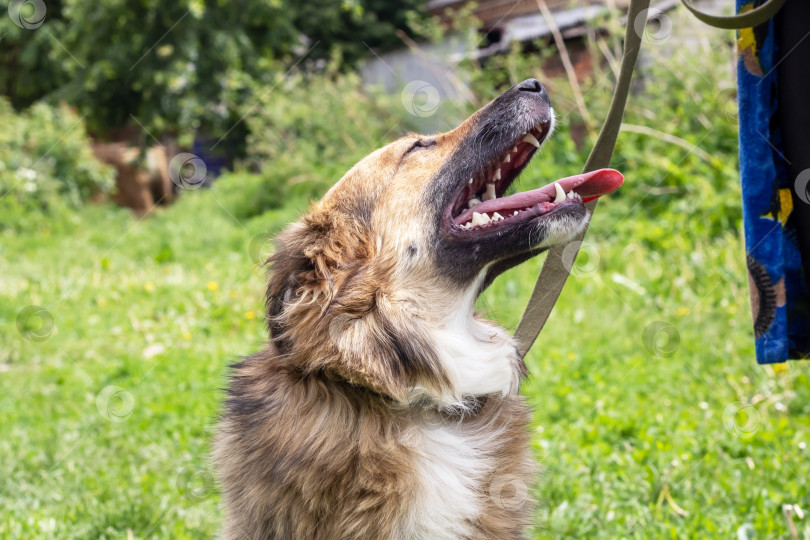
x: 780, y: 299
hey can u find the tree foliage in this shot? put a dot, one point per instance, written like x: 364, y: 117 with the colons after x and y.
x: 181, y: 67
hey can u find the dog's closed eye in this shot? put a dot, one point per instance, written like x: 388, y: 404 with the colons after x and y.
x: 421, y: 144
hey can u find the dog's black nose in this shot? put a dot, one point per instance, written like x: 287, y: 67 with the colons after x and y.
x: 533, y: 85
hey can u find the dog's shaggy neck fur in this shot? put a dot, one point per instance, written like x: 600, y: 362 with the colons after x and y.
x: 478, y: 357
x: 390, y: 413
x: 347, y: 464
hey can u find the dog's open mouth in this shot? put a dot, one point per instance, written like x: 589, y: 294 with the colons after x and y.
x: 481, y: 204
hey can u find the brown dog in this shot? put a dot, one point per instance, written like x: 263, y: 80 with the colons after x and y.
x: 382, y: 407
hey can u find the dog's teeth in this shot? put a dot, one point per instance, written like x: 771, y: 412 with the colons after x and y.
x: 539, y: 128
x: 470, y: 181
x: 531, y: 139
x: 497, y: 174
x: 496, y: 216
x: 560, y: 193
x: 480, y: 219
x: 473, y: 202
x: 467, y: 225
x: 490, y: 193
x: 516, y: 213
x: 574, y: 195
x: 507, y: 159
x: 514, y: 148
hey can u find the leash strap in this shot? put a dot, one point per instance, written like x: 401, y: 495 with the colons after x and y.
x: 749, y: 19
x: 559, y: 259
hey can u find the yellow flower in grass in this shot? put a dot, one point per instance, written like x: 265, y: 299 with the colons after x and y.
x: 571, y: 356
x: 250, y: 314
x: 212, y: 285
x: 187, y: 336
x: 780, y: 368
x: 149, y: 286
x: 683, y: 311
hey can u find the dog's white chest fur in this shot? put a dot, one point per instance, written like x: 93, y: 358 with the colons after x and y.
x: 452, y: 462
x: 450, y: 466
x: 479, y: 359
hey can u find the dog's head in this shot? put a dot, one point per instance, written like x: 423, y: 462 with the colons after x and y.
x: 376, y: 285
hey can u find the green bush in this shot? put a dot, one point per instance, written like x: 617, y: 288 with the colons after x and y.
x: 247, y: 195
x: 46, y: 165
x: 310, y: 129
x: 184, y: 62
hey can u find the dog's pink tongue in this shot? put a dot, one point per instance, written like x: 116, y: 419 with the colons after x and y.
x: 589, y: 186
x: 594, y: 184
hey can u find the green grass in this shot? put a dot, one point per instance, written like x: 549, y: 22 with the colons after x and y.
x: 156, y: 307
x: 159, y: 307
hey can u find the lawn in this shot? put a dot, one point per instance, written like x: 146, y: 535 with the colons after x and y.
x: 651, y: 417
x: 636, y: 381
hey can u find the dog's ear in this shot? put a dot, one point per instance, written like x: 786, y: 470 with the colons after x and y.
x: 328, y: 310
x: 312, y: 259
